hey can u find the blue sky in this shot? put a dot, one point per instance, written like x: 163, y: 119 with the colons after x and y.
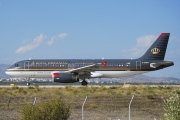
x: 60, y: 29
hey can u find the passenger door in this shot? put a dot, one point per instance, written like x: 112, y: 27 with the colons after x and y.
x: 138, y: 65
x: 26, y: 65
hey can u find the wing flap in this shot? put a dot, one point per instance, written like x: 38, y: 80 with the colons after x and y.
x: 86, y: 70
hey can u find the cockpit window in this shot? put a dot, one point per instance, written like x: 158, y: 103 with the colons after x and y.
x: 15, y: 65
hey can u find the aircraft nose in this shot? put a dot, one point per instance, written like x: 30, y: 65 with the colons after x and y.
x: 8, y: 72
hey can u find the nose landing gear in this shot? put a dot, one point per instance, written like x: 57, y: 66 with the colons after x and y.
x: 28, y: 83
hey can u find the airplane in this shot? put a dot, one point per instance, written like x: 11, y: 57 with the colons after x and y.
x: 72, y: 70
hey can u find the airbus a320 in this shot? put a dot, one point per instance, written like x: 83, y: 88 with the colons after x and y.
x: 72, y: 70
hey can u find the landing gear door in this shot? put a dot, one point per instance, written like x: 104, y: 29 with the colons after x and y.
x: 138, y: 65
x: 26, y: 65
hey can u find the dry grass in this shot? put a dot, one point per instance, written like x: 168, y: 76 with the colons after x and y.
x: 102, y: 103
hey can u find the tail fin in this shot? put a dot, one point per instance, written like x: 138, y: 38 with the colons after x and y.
x: 158, y: 48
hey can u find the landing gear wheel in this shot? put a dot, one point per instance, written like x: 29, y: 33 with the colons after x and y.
x: 28, y: 83
x: 84, y: 83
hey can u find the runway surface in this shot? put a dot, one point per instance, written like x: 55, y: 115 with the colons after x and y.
x: 63, y: 86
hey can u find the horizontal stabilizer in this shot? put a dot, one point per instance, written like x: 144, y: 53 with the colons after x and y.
x: 158, y: 64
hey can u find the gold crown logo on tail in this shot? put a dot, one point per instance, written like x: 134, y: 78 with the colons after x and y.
x: 155, y: 51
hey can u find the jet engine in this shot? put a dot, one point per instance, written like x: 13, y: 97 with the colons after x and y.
x: 64, y: 77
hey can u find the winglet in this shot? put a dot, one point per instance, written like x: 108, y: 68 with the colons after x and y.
x: 104, y: 63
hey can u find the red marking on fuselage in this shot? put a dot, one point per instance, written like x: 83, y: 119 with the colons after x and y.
x: 104, y: 63
x: 56, y: 74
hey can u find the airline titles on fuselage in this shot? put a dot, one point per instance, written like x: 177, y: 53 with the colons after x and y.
x: 47, y: 63
x: 56, y: 63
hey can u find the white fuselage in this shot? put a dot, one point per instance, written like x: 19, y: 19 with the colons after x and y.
x: 95, y: 74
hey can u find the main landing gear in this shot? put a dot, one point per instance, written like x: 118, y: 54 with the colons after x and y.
x: 84, y: 83
x: 28, y: 83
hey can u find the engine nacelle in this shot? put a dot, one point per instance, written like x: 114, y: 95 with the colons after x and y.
x: 64, y: 77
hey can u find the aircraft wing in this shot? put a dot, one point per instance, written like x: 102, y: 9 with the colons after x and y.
x: 157, y: 64
x: 87, y: 69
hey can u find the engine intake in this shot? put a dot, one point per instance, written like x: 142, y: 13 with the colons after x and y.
x: 64, y: 77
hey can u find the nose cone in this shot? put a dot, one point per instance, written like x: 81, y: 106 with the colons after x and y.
x: 7, y: 71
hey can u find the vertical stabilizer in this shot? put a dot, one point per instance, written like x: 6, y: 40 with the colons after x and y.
x: 157, y: 50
